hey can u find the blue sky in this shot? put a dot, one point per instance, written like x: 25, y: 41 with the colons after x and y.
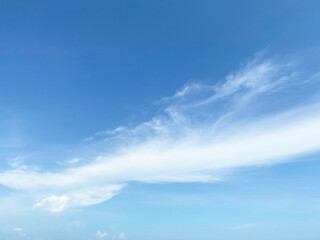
x: 159, y: 120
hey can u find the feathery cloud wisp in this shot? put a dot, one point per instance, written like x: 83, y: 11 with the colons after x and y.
x: 203, y: 131
x: 101, y: 234
x: 121, y: 236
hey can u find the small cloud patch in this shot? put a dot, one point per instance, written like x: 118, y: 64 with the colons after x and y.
x: 53, y: 203
x: 101, y: 234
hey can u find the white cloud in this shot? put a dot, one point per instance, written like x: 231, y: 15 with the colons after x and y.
x: 204, y: 131
x: 17, y: 162
x: 53, y: 203
x: 93, y: 195
x: 121, y: 236
x: 101, y: 235
x: 73, y: 161
x: 70, y: 162
x: 79, y: 197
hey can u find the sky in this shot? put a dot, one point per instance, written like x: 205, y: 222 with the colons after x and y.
x: 148, y: 119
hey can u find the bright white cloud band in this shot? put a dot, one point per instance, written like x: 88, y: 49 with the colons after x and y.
x: 206, y: 129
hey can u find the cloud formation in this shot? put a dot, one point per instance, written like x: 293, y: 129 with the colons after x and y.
x: 53, y: 203
x: 247, y: 119
x: 79, y: 197
x: 121, y: 236
x: 20, y: 232
x: 101, y: 234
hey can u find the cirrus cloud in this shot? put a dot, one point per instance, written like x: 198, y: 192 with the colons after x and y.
x: 204, y: 130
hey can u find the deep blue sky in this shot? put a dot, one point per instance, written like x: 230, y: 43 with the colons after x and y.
x: 72, y: 69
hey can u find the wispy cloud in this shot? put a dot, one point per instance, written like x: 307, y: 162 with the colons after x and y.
x: 79, y: 197
x: 121, y: 236
x: 53, y: 203
x: 101, y: 234
x: 20, y: 232
x: 244, y: 120
x: 17, y: 162
x: 70, y: 162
